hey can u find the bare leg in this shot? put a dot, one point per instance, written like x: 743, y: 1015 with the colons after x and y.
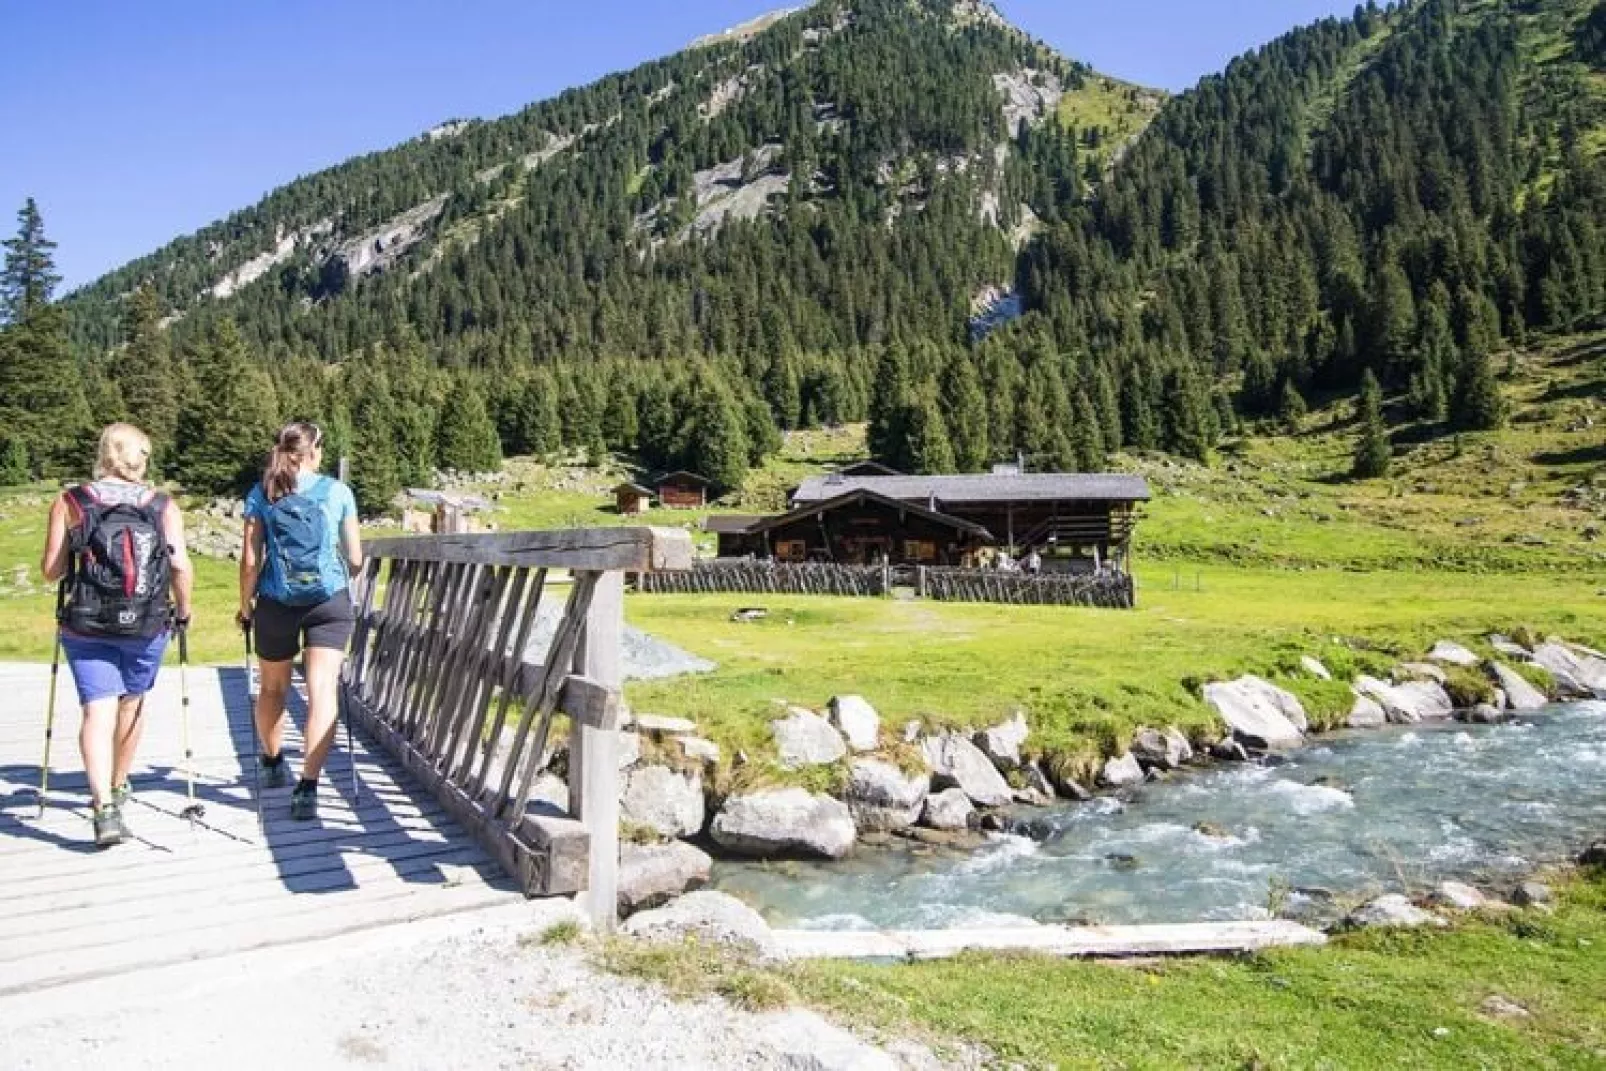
x: 275, y: 677
x: 95, y: 742
x: 130, y: 727
x: 323, y: 706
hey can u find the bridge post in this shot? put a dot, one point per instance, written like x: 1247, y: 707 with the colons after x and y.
x: 594, y: 753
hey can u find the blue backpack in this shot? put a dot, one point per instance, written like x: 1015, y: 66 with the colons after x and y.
x: 297, y: 532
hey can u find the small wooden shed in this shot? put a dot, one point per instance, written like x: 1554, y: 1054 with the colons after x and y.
x: 632, y: 499
x: 683, y: 490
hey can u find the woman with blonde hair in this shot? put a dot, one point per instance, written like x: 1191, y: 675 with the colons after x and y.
x: 301, y: 548
x: 116, y: 546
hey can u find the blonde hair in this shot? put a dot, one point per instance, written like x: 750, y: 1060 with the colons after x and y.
x: 124, y: 453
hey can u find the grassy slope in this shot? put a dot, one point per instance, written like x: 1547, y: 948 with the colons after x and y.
x: 1120, y: 109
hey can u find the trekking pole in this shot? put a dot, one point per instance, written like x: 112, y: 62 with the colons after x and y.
x: 193, y: 810
x: 256, y: 741
x: 50, y: 709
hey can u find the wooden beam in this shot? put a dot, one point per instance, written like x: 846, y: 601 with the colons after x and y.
x: 594, y: 751
x: 635, y: 550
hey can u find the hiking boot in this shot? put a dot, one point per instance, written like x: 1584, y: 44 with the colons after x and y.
x: 275, y: 775
x: 109, y: 828
x: 121, y: 794
x: 304, y: 803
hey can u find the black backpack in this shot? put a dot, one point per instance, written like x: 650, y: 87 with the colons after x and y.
x: 118, y: 571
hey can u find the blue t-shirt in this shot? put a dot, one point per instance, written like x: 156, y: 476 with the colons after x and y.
x: 338, y: 504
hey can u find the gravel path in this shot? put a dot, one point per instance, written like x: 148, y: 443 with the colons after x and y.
x: 447, y: 993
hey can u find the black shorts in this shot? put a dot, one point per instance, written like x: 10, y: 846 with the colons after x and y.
x: 281, y: 631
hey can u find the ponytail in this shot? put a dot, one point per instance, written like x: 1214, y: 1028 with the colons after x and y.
x: 292, y: 448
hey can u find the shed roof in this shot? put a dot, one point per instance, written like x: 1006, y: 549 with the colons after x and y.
x: 634, y: 488
x: 731, y: 524
x: 867, y: 468
x: 684, y: 477
x: 956, y: 490
x: 804, y: 511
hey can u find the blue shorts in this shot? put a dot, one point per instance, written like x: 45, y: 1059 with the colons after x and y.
x: 112, y: 668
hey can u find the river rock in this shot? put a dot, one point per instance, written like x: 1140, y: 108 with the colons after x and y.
x: 1161, y: 750
x: 1408, y: 672
x: 664, y: 800
x: 1594, y: 855
x: 697, y: 749
x: 1581, y: 676
x: 1037, y: 781
x: 1504, y: 646
x: 957, y: 763
x: 1366, y: 713
x: 1453, y: 654
x: 1484, y: 714
x: 1229, y: 750
x: 1521, y: 696
x: 857, y: 721
x: 1409, y: 703
x: 1392, y: 910
x: 1122, y: 772
x: 1002, y: 743
x: 806, y: 739
x: 783, y: 822
x: 653, y: 874
x: 1068, y: 787
x: 1259, y: 713
x: 1314, y: 668
x: 1461, y: 897
x: 708, y: 916
x: 948, y: 810
x: 884, y: 799
x: 1530, y: 894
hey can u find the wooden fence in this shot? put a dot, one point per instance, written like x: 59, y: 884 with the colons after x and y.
x: 439, y: 677
x: 769, y: 578
x: 1110, y: 590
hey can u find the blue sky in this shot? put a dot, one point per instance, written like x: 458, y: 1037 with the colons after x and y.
x: 133, y: 123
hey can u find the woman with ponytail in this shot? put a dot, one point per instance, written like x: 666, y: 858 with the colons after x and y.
x: 301, y: 548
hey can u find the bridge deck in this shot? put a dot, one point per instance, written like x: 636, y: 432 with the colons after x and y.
x: 180, y: 892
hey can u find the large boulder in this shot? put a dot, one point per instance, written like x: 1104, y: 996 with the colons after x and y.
x: 1366, y: 713
x: 803, y: 738
x: 653, y: 874
x: 1156, y: 750
x: 708, y: 916
x: 789, y: 821
x: 1406, y: 672
x: 1002, y: 743
x: 957, y: 763
x: 1505, y: 646
x: 1521, y: 696
x: 1459, y: 896
x: 858, y: 722
x: 1393, y: 910
x: 1408, y: 703
x: 884, y: 799
x: 948, y: 810
x: 1259, y: 713
x: 1314, y: 667
x: 664, y: 800
x: 1453, y: 654
x: 1578, y: 675
x: 1122, y: 772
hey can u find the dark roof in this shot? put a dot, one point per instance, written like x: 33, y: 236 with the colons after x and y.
x: 684, y: 477
x: 636, y: 487
x: 867, y: 468
x: 807, y: 510
x: 730, y: 524
x: 958, y: 490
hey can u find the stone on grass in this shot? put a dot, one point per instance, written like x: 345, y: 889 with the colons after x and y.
x: 1530, y: 894
x: 1002, y: 743
x: 664, y: 800
x: 789, y: 821
x: 1453, y: 654
x: 1459, y: 896
x: 884, y: 799
x: 1157, y: 750
x: 1407, y: 704
x: 661, y: 725
x: 706, y: 915
x: 857, y: 721
x: 958, y: 763
x: 948, y: 810
x: 1496, y: 1006
x: 1366, y: 713
x: 1578, y: 675
x: 1122, y: 772
x: 1504, y: 646
x: 697, y: 749
x: 1260, y: 714
x: 1393, y: 910
x: 1521, y: 696
x: 653, y: 874
x: 1315, y: 668
x: 1406, y: 672
x: 803, y: 738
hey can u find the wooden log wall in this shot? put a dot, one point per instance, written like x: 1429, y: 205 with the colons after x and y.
x: 769, y: 578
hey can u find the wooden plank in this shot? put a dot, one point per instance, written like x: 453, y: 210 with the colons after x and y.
x: 635, y: 550
x: 594, y: 752
x: 1086, y: 941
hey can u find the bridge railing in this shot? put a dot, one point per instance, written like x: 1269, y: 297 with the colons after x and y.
x: 441, y: 676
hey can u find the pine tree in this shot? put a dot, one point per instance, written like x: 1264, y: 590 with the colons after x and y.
x: 1373, y: 453
x: 1086, y: 435
x: 146, y: 375
x: 226, y: 425
x: 465, y: 439
x: 375, y: 472
x: 930, y: 449
x: 965, y: 411
x: 717, y: 446
x: 13, y: 461
x: 1291, y: 408
x: 1479, y: 405
x: 1140, y: 428
x: 29, y: 277
x: 763, y: 437
x: 536, y: 416
x: 1189, y: 418
x: 889, y: 405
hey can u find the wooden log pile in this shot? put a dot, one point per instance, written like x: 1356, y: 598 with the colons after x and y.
x: 768, y: 578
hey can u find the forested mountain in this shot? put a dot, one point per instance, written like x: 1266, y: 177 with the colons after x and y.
x: 797, y: 225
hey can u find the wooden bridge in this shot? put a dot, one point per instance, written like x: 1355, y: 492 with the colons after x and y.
x: 453, y: 723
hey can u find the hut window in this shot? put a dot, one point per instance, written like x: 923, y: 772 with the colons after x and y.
x: 920, y: 550
x: 791, y: 550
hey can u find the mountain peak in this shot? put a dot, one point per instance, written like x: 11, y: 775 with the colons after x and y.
x: 746, y: 31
